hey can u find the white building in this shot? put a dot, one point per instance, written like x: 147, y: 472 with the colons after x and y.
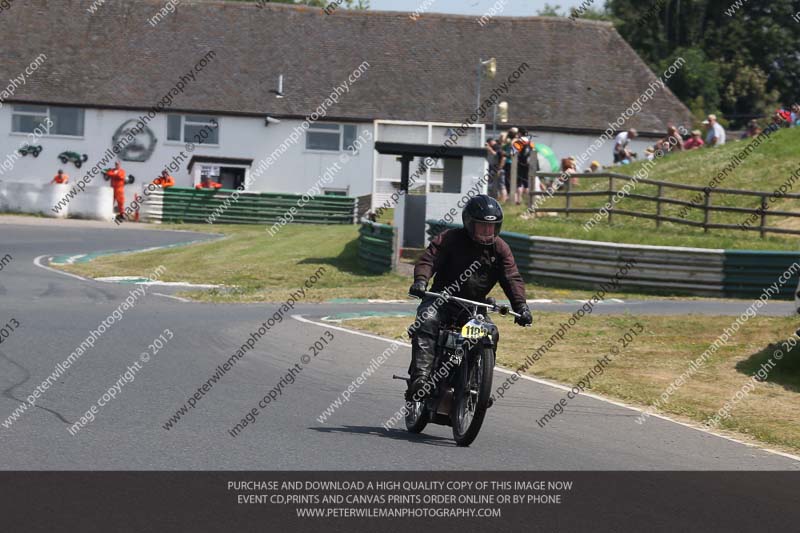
x: 234, y: 145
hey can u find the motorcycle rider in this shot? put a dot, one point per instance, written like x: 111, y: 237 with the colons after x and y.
x: 447, y: 260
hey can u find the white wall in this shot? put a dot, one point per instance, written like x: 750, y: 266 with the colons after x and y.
x: 298, y: 169
x: 240, y: 137
x: 474, y: 168
x: 25, y: 197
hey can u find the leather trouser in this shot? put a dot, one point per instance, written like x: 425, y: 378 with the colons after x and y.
x: 424, y: 334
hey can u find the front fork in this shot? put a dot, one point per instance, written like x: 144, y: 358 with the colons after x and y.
x: 471, y: 351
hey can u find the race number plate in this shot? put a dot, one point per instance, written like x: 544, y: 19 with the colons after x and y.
x: 474, y: 330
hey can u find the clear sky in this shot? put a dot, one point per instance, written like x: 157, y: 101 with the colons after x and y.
x: 476, y: 7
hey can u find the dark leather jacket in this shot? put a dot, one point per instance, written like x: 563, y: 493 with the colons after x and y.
x: 451, y: 261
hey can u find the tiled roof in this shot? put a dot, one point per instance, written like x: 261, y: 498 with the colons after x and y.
x: 581, y: 74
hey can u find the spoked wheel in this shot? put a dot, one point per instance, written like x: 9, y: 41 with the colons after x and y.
x: 472, y: 397
x: 417, y: 416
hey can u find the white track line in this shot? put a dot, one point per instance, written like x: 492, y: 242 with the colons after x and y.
x: 184, y: 300
x: 565, y: 388
x: 38, y: 262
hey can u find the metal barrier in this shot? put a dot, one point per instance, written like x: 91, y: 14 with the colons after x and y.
x: 377, y: 247
x: 661, y: 269
x: 222, y: 206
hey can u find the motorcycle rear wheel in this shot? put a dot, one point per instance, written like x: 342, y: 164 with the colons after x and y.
x: 471, y: 402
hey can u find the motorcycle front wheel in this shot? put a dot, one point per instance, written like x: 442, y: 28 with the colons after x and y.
x: 417, y: 416
x: 472, y: 397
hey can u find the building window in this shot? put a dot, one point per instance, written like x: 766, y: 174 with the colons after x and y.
x: 331, y: 137
x: 198, y: 129
x: 66, y: 121
x: 349, y: 137
x: 174, y: 123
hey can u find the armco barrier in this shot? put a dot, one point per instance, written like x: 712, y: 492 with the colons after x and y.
x: 178, y: 204
x: 377, y: 247
x: 663, y: 269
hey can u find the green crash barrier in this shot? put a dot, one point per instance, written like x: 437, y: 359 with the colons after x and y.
x: 377, y: 247
x: 747, y: 273
x: 188, y: 205
x: 662, y: 269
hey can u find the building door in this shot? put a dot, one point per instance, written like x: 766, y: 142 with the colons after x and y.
x: 231, y: 177
x: 414, y: 232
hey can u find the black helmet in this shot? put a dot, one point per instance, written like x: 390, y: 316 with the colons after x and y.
x: 485, y: 209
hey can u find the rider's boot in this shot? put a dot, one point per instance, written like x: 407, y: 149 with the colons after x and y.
x: 422, y: 358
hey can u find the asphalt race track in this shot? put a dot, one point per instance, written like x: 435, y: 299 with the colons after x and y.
x: 56, y: 312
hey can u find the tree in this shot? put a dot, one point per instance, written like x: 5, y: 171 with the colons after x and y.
x: 697, y: 83
x: 745, y: 94
x: 589, y: 13
x: 597, y: 14
x: 550, y: 11
x: 755, y: 46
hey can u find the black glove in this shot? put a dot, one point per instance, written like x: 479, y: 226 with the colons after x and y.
x: 418, y: 288
x: 525, y: 318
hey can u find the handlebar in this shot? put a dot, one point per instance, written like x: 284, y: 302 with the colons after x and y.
x: 501, y: 309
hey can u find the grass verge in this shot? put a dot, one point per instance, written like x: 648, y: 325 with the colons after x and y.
x: 634, y: 231
x: 263, y: 268
x: 646, y: 368
x: 767, y: 168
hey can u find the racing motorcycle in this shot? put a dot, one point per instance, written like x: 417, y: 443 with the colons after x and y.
x: 462, y: 371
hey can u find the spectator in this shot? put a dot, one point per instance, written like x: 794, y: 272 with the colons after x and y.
x: 165, y: 181
x: 783, y: 117
x: 60, y: 177
x: 673, y: 142
x: 494, y: 156
x: 595, y: 167
x: 753, y: 130
x: 779, y: 120
x: 575, y: 163
x: 568, y: 166
x: 507, y: 152
x: 523, y: 148
x: 716, y: 133
x: 795, y: 116
x: 206, y: 183
x: 695, y: 142
x: 621, y: 142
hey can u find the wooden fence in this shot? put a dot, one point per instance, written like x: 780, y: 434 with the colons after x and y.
x: 702, y: 201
